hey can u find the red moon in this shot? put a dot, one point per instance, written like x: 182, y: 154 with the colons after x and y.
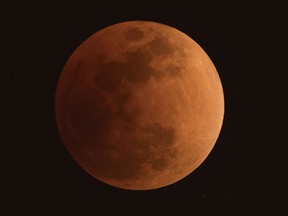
x: 139, y: 105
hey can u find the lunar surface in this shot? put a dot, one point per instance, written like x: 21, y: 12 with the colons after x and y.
x: 139, y: 105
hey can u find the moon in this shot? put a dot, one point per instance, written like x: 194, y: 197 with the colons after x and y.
x: 139, y: 105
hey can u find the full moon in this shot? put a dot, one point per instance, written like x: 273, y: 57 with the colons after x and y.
x: 139, y: 105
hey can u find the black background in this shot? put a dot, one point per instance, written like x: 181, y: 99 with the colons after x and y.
x: 245, y: 174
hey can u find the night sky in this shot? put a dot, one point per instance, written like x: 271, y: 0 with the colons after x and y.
x: 246, y: 172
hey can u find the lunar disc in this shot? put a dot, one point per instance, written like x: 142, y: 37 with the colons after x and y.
x: 139, y: 105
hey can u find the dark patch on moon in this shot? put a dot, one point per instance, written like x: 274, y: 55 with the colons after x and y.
x: 123, y: 95
x: 155, y: 147
x: 161, y: 140
x: 138, y: 68
x: 162, y: 136
x: 173, y: 70
x: 155, y: 144
x: 134, y: 34
x: 110, y: 76
x: 159, y: 164
x: 90, y: 127
x: 160, y: 46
